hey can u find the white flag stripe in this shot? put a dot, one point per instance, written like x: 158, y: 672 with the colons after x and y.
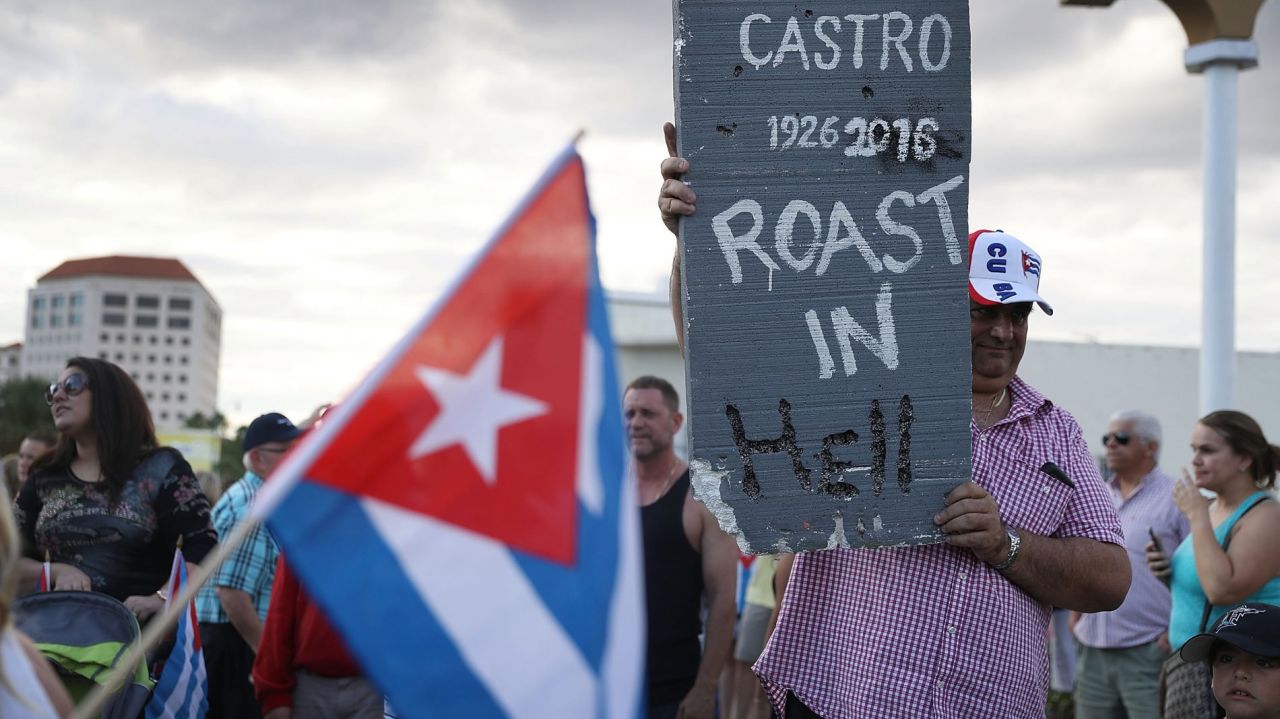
x: 491, y: 611
x: 623, y: 669
x: 590, y: 407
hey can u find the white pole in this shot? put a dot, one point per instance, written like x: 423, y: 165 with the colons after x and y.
x: 1221, y: 62
x: 1218, y: 348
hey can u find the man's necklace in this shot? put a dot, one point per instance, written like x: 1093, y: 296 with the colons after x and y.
x: 666, y: 484
x: 995, y: 404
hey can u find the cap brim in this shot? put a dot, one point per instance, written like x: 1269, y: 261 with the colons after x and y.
x: 984, y: 292
x: 1200, y: 647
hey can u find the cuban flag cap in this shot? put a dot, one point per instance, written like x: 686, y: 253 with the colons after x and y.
x: 1003, y: 270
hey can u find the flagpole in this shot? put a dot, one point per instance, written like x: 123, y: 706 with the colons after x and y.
x: 161, y: 625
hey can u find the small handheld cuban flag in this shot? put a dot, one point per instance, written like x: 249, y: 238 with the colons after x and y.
x: 182, y: 691
x: 45, y: 582
x: 464, y: 518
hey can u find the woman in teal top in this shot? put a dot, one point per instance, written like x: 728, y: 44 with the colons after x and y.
x: 1232, y: 459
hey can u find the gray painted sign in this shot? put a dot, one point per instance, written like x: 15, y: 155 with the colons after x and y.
x: 825, y: 296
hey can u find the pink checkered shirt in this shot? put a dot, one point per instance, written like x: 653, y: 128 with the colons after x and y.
x: 917, y: 632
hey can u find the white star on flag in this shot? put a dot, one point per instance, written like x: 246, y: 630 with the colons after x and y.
x: 473, y: 409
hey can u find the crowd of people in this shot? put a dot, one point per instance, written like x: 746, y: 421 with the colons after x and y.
x: 1172, y: 596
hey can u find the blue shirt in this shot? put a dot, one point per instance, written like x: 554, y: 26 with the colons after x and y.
x: 1188, y: 595
x: 251, y: 567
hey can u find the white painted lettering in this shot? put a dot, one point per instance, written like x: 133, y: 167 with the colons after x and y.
x: 826, y: 39
x: 842, y: 220
x: 938, y: 195
x: 926, y: 29
x: 885, y: 347
x: 895, y: 39
x: 786, y: 227
x: 744, y: 40
x: 792, y: 41
x: 826, y: 364
x: 892, y: 227
x: 858, y: 21
x: 731, y: 244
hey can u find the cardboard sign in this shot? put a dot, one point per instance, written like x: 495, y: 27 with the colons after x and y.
x: 825, y: 272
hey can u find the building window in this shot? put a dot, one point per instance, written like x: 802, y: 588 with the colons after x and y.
x: 147, y: 302
x: 182, y: 397
x: 134, y: 375
x: 120, y: 338
x: 37, y: 303
x: 137, y: 339
x: 73, y: 319
x: 186, y: 341
x: 151, y: 376
x: 37, y: 322
x: 181, y: 304
x: 113, y: 319
x: 164, y: 396
x: 137, y: 357
x: 153, y: 339
x: 182, y: 416
x: 146, y: 321
x: 166, y: 378
x: 55, y: 302
x: 102, y: 354
x: 114, y: 300
x: 182, y: 379
x: 55, y: 320
x: 77, y: 300
x: 164, y: 415
x: 168, y: 340
x: 168, y: 359
x: 119, y: 356
x: 104, y: 337
x: 182, y: 359
x: 179, y: 323
x: 151, y: 359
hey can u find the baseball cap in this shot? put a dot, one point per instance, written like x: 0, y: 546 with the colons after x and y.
x: 1255, y: 628
x: 1003, y: 270
x: 270, y: 427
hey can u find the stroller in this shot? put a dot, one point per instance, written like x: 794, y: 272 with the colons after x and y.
x: 84, y: 635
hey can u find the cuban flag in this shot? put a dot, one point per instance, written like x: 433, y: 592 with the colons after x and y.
x: 182, y: 691
x: 464, y: 518
x: 45, y: 581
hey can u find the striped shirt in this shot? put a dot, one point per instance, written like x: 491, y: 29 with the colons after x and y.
x: 252, y: 565
x: 1145, y: 612
x: 931, y: 631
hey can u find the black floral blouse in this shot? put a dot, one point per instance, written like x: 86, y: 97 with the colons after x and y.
x: 125, y: 547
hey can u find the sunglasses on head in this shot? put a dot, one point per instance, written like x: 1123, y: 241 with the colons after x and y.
x: 1121, y: 438
x: 73, y: 385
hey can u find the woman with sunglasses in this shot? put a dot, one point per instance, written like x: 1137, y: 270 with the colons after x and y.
x: 108, y: 504
x: 1233, y: 459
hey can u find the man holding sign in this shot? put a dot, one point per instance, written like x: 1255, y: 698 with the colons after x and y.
x: 954, y: 629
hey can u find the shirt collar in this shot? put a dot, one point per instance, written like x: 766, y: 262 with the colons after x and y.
x: 1027, y: 401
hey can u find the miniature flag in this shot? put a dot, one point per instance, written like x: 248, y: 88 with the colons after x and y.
x: 45, y: 582
x: 183, y: 688
x: 468, y: 504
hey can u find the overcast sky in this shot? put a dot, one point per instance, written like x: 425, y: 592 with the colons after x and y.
x: 326, y: 166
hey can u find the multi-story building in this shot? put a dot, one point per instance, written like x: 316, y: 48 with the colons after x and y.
x: 150, y: 315
x: 10, y: 362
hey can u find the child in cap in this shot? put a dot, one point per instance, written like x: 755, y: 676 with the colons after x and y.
x: 1243, y: 652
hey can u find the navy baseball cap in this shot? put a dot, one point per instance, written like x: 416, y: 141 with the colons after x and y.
x: 270, y: 427
x: 1255, y: 628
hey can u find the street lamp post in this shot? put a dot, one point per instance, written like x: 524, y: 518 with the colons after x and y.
x: 1219, y: 40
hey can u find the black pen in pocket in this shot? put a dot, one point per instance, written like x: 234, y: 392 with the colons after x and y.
x: 1056, y: 472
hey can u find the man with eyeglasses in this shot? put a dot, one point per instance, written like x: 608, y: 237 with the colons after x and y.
x: 1121, y: 651
x: 232, y: 606
x: 958, y: 629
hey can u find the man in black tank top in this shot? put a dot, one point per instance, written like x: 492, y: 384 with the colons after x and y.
x: 686, y: 554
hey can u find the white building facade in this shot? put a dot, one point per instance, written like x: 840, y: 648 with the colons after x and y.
x: 151, y: 316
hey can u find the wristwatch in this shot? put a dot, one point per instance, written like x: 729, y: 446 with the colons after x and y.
x: 1015, y: 542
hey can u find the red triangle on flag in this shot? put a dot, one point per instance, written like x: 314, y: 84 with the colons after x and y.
x: 477, y: 422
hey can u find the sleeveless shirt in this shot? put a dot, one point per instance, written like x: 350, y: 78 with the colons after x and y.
x: 673, y: 597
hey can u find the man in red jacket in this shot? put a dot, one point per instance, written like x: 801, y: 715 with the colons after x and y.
x: 303, y: 666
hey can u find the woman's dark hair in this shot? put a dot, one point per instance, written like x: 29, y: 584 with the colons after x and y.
x: 121, y: 424
x: 1245, y: 438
